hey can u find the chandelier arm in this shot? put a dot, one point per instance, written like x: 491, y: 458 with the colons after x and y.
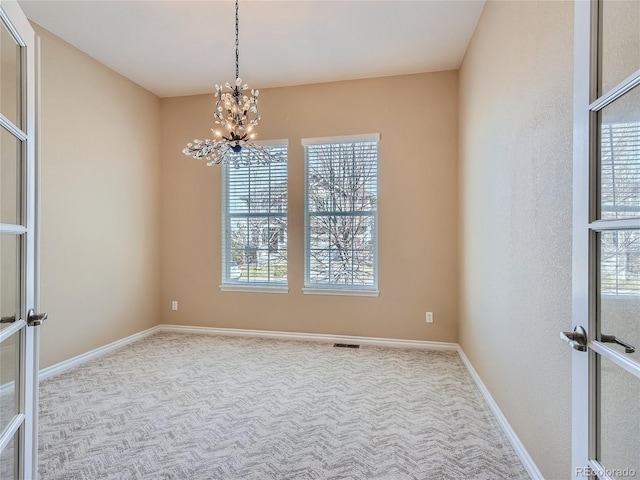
x: 263, y: 153
x: 217, y: 152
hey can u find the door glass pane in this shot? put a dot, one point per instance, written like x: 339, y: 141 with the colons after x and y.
x: 620, y: 288
x: 10, y: 177
x: 8, y: 463
x: 619, y: 422
x: 9, y: 378
x: 620, y: 157
x: 620, y: 41
x: 9, y: 279
x: 10, y: 92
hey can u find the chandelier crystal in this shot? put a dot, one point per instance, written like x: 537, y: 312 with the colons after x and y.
x: 237, y: 115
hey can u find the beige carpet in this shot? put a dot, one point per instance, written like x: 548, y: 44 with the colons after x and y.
x: 188, y: 407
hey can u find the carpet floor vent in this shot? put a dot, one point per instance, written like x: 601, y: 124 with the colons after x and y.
x: 346, y: 345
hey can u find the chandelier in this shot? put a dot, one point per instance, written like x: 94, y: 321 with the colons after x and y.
x: 237, y: 115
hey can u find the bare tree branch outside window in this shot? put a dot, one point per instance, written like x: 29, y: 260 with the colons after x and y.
x: 342, y: 197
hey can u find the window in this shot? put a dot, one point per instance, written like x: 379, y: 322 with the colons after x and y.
x: 620, y: 262
x: 254, y: 224
x: 620, y: 199
x: 341, y: 225
x: 620, y: 169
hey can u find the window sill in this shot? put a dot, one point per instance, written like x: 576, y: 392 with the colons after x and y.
x: 254, y: 288
x: 349, y: 292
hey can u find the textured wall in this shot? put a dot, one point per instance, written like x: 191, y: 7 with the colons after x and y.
x: 100, y: 198
x: 416, y: 116
x: 516, y: 204
x: 620, y: 38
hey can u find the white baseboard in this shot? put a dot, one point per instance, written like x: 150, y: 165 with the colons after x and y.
x: 7, y: 389
x: 312, y: 337
x: 517, y: 445
x: 72, y: 362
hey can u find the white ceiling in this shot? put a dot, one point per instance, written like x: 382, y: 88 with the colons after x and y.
x: 175, y: 48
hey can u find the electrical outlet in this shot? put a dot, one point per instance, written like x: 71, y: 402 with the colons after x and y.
x: 174, y: 305
x: 429, y: 318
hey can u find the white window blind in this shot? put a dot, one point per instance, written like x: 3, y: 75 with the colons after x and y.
x: 620, y: 198
x: 341, y: 198
x: 620, y: 170
x: 254, y: 222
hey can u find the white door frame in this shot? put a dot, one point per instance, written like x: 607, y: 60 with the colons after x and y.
x: 582, y: 401
x: 586, y: 227
x: 18, y: 25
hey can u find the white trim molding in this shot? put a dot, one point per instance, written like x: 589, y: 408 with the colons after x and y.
x: 7, y: 388
x: 10, y: 430
x: 517, y: 445
x: 7, y: 228
x: 365, y: 137
x: 349, y: 292
x: 85, y: 357
x: 254, y: 288
x: 312, y: 337
x: 238, y: 332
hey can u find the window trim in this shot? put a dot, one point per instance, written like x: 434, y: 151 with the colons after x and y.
x: 255, y: 287
x: 340, y: 290
x: 365, y: 137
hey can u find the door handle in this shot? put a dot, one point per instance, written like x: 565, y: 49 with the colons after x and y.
x: 628, y: 348
x: 577, y: 339
x: 33, y: 319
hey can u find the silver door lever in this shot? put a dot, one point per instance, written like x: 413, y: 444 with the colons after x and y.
x: 577, y: 339
x: 35, y: 319
x: 628, y: 348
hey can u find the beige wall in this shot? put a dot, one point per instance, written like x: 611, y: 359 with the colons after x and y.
x: 620, y: 38
x: 112, y: 161
x: 416, y: 116
x: 100, y: 203
x: 516, y: 204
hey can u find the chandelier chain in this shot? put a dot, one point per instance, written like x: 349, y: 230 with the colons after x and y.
x: 237, y: 45
x: 237, y: 115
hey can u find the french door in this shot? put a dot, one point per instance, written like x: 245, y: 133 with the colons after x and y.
x: 606, y: 241
x: 18, y: 325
